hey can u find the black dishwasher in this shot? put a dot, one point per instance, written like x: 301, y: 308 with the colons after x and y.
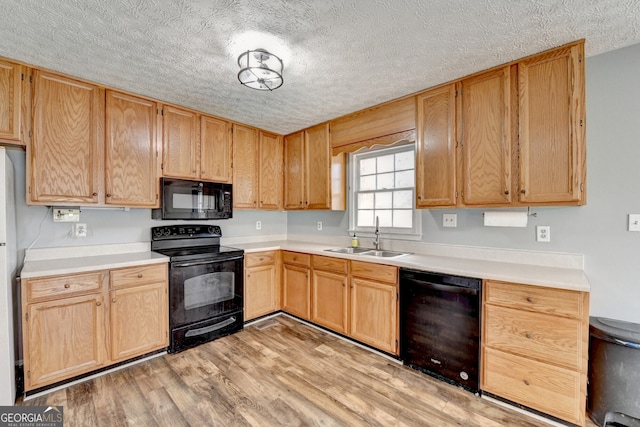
x: 440, y: 326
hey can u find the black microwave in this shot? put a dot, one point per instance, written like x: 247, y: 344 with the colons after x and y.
x: 184, y: 199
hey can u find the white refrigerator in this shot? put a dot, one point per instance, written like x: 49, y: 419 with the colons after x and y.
x: 8, y: 262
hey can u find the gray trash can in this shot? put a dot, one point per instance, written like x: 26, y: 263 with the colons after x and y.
x: 614, y: 372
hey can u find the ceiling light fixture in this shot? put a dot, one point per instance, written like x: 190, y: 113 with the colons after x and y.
x: 260, y: 70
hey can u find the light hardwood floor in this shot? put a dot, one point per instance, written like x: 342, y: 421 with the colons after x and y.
x: 274, y: 373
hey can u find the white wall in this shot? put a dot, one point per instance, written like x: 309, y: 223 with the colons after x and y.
x: 597, y: 230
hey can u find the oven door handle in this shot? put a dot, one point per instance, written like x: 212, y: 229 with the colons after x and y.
x: 211, y: 261
x: 207, y: 329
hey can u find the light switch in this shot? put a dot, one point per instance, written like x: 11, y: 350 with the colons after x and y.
x: 634, y: 222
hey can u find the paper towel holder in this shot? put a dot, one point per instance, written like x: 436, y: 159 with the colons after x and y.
x: 529, y: 213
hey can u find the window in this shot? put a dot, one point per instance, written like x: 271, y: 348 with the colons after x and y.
x: 383, y: 187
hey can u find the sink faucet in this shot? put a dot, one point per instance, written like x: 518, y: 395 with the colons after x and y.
x: 376, y: 241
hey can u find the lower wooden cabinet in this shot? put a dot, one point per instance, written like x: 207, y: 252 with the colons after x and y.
x: 296, y: 286
x: 535, y: 347
x: 261, y: 284
x: 374, y: 305
x: 330, y: 293
x: 74, y: 324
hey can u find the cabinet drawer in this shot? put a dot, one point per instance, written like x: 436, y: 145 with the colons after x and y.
x: 330, y: 264
x: 373, y: 271
x: 552, y: 339
x: 259, y: 258
x: 550, y: 389
x: 559, y: 302
x: 134, y: 276
x: 63, y: 286
x: 296, y: 258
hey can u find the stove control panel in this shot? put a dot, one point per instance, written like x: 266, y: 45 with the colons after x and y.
x: 185, y: 232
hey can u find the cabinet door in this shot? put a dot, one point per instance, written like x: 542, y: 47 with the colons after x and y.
x: 139, y: 320
x: 64, y: 338
x: 318, y: 167
x: 551, y: 91
x: 486, y: 138
x: 294, y: 188
x: 330, y: 300
x: 215, y: 149
x: 179, y: 149
x: 10, y: 101
x: 260, y: 291
x: 245, y: 167
x: 374, y: 314
x: 65, y: 152
x: 131, y: 151
x: 296, y: 291
x: 270, y: 179
x: 436, y: 145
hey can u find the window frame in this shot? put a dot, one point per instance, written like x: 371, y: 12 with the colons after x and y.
x: 393, y: 233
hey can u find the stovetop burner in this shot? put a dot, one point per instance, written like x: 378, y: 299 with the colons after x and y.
x: 191, y: 243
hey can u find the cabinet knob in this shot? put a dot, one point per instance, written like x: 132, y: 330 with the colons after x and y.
x: 108, y: 194
x: 94, y: 194
x: 529, y: 299
x: 506, y: 192
x: 98, y: 303
x: 528, y: 335
x: 139, y: 275
x: 523, y: 191
x: 526, y: 382
x: 113, y: 300
x: 67, y: 286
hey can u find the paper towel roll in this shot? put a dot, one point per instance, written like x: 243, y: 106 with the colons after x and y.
x: 505, y: 219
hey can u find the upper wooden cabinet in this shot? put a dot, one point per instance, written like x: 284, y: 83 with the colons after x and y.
x: 11, y: 76
x: 552, y: 144
x: 245, y: 167
x: 65, y: 151
x: 195, y: 146
x: 131, y: 151
x: 179, y: 144
x: 270, y: 171
x: 215, y: 149
x: 519, y: 130
x: 486, y: 138
x: 314, y: 179
x: 435, y: 150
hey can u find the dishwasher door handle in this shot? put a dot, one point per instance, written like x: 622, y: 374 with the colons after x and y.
x: 442, y: 287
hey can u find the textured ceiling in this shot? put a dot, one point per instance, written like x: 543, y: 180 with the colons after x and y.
x: 340, y: 56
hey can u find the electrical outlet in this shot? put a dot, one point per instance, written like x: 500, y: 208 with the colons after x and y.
x: 80, y: 230
x: 319, y: 225
x: 258, y: 225
x: 449, y: 220
x: 543, y: 233
x: 634, y: 222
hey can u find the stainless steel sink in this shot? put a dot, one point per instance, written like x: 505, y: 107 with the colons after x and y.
x: 349, y: 250
x: 367, y: 251
x: 384, y: 254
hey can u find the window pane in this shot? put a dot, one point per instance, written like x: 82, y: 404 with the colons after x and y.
x: 405, y: 160
x: 403, y: 218
x: 384, y: 200
x: 385, y: 181
x: 403, y: 199
x: 367, y: 166
x: 385, y: 218
x: 367, y: 182
x: 385, y: 163
x: 365, y: 201
x: 404, y: 179
x: 365, y: 218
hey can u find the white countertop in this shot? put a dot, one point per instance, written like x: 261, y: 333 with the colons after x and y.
x: 79, y: 264
x: 57, y: 261
x: 554, y: 277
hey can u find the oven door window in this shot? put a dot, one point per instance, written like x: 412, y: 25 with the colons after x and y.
x: 199, y: 291
x: 208, y: 289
